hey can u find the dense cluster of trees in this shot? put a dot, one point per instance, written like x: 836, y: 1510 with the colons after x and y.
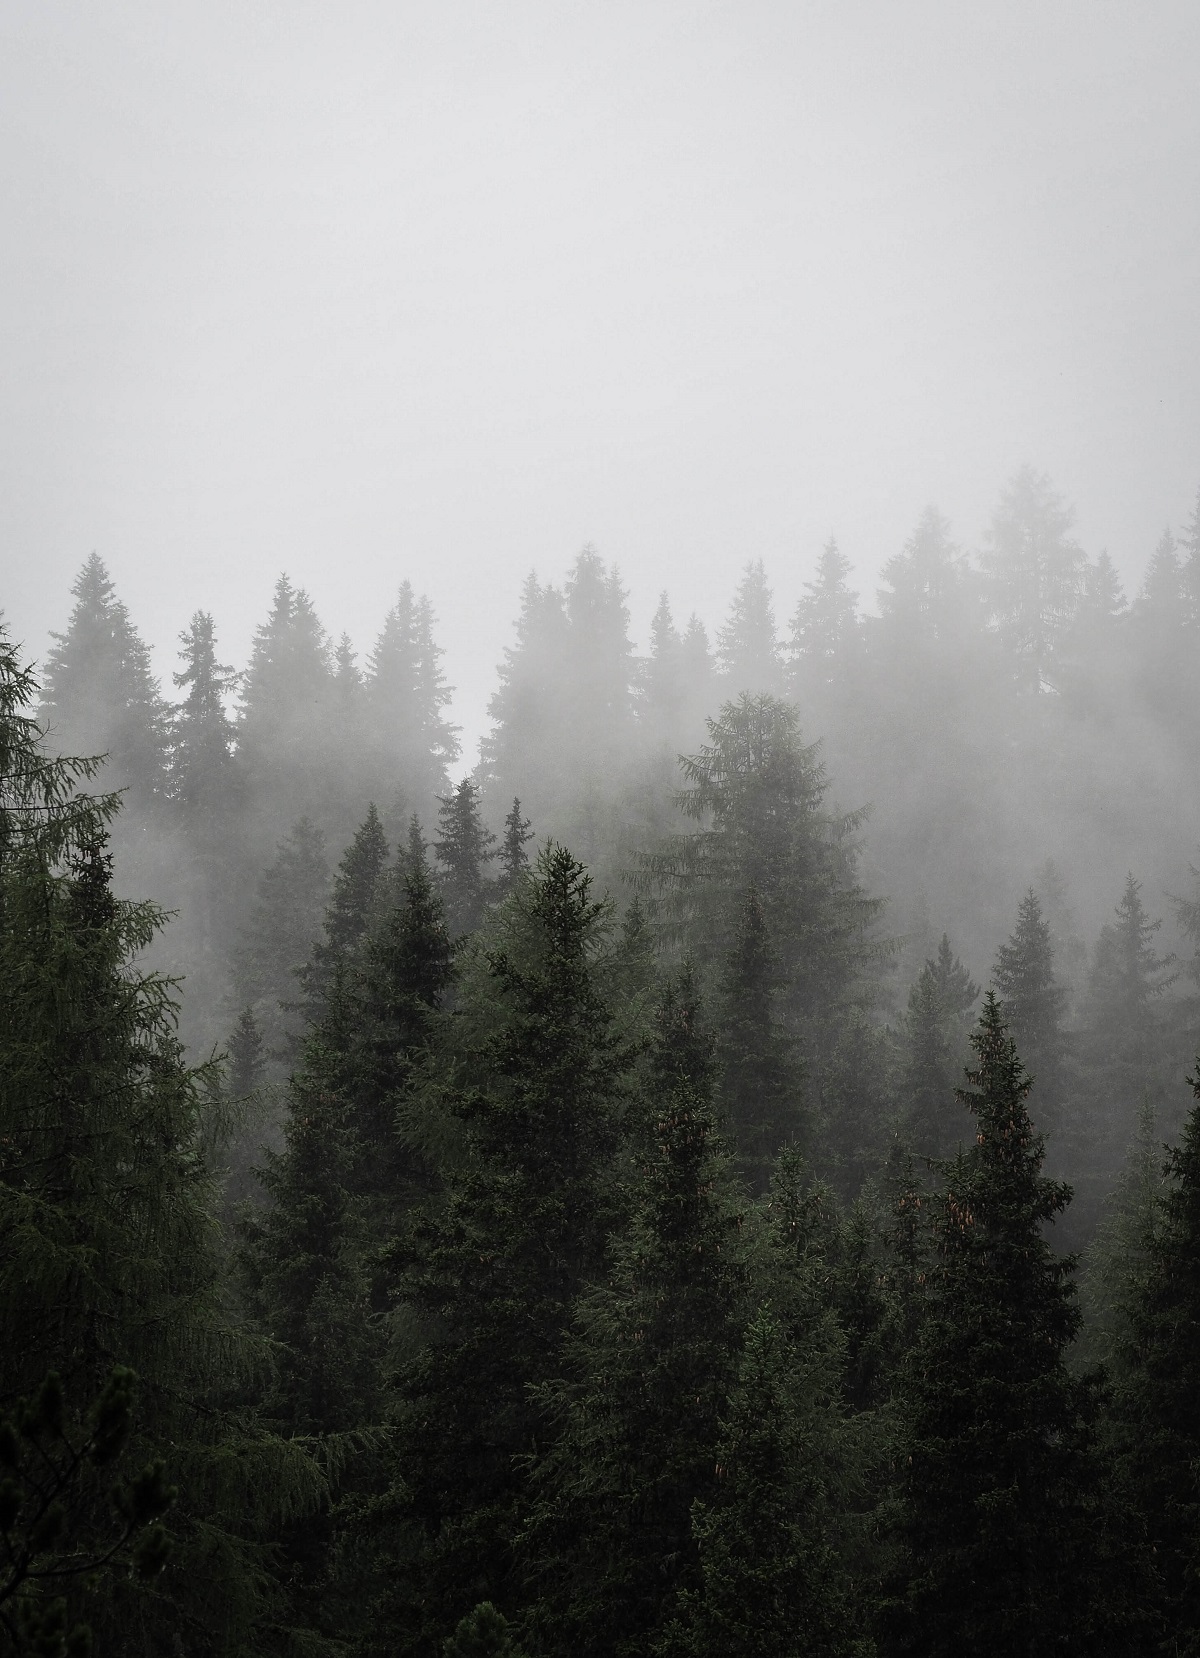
x: 619, y: 1239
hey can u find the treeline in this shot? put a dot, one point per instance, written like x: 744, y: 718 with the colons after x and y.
x: 674, y: 1273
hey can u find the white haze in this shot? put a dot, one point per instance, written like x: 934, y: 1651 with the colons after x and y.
x: 367, y: 291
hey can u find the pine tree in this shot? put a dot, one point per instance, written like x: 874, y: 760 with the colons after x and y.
x: 407, y: 694
x: 761, y: 1078
x: 1159, y: 1395
x: 514, y: 860
x: 99, y: 695
x: 280, y: 933
x: 925, y: 596
x: 931, y: 1041
x: 489, y: 1277
x: 283, y: 720
x: 247, y: 1062
x: 662, y: 685
x: 771, y: 1579
x: 107, y: 1256
x: 464, y: 846
x: 1128, y: 977
x: 825, y: 624
x: 647, y: 1369
x: 1034, y: 573
x: 747, y: 646
x: 999, y: 1479
x: 355, y: 902
x: 1033, y: 1003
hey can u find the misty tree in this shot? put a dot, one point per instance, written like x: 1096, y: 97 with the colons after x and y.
x: 99, y: 695
x: 926, y: 587
x: 663, y: 693
x: 355, y: 901
x: 1159, y: 630
x: 206, y: 778
x: 464, y: 847
x: 406, y: 696
x: 1033, y: 573
x: 1125, y: 1026
x: 825, y: 626
x: 931, y: 1038
x: 522, y: 748
x: 281, y: 929
x: 1093, y: 649
x: 512, y: 856
x: 1189, y: 574
x: 748, y: 656
x: 284, y: 706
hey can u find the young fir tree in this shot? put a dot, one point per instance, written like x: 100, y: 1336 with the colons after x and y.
x: 203, y: 772
x: 1033, y: 1003
x: 513, y: 858
x: 100, y: 696
x: 355, y: 902
x: 646, y: 1373
x: 464, y: 846
x: 107, y: 1257
x: 998, y: 1480
x: 825, y: 626
x: 1033, y: 573
x: 488, y: 1279
x: 1158, y: 1399
x: 747, y: 646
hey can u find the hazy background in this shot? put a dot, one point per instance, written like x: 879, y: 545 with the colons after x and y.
x: 374, y: 290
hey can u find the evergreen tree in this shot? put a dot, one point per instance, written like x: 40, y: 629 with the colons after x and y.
x: 283, y: 733
x: 1159, y: 1395
x: 100, y: 696
x: 464, y: 846
x: 355, y: 902
x: 280, y: 933
x: 247, y: 1062
x: 925, y: 596
x: 107, y: 1258
x: 825, y: 625
x: 771, y: 1579
x: 1034, y: 573
x: 663, y: 691
x: 931, y: 1039
x: 747, y: 646
x: 514, y: 860
x: 647, y: 1370
x: 999, y: 1478
x: 696, y: 667
x: 1189, y: 574
x: 1159, y: 627
x: 1093, y: 648
x: 1033, y: 1002
x: 489, y: 1278
x: 483, y: 1633
x: 761, y: 1079
x: 1128, y: 977
x: 406, y: 696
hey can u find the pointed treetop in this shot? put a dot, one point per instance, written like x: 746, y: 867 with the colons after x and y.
x: 747, y: 646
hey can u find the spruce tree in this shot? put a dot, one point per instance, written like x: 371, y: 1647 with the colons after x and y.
x: 487, y: 1280
x: 999, y: 1479
x: 825, y: 626
x: 100, y: 696
x: 1158, y: 1403
x: 647, y: 1368
x: 283, y: 735
x: 747, y: 646
x: 464, y: 846
x: 1033, y: 1003
x: 107, y: 1236
x: 931, y: 1039
x: 279, y: 935
x: 1160, y: 632
x: 1033, y: 573
x: 355, y: 902
x: 925, y: 597
x: 406, y: 695
x: 662, y: 687
x: 514, y: 860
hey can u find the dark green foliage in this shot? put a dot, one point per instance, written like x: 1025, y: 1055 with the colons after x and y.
x: 1159, y: 1391
x: 280, y: 934
x: 355, y: 900
x: 1033, y: 1002
x: 999, y: 1479
x: 203, y: 775
x: 489, y: 1278
x: 464, y: 846
x: 647, y: 1369
x: 483, y: 1633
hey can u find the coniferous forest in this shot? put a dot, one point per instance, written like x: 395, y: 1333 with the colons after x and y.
x: 717, y: 1177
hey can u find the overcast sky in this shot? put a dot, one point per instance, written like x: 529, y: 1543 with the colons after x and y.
x: 365, y: 291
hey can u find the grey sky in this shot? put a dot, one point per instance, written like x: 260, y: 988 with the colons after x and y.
x: 367, y: 291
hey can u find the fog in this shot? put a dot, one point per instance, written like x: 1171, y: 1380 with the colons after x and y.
x: 444, y: 292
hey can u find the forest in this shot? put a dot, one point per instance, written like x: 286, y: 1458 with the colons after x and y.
x: 715, y: 1176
